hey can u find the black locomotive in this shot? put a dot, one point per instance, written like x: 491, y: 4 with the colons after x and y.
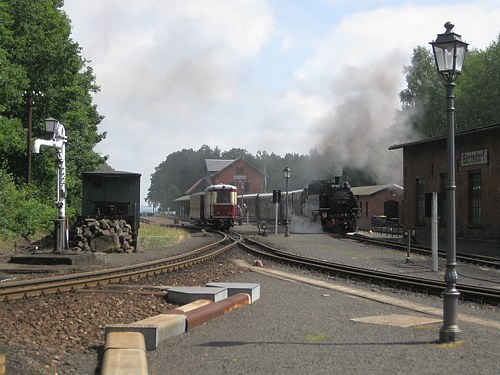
x: 330, y: 201
x: 338, y: 206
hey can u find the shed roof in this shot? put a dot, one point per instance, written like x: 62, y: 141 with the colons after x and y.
x: 433, y: 139
x: 111, y: 173
x: 370, y: 190
x: 184, y: 198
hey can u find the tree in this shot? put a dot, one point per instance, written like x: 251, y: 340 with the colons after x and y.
x: 479, y: 88
x: 423, y: 99
x: 477, y: 91
x: 177, y: 173
x: 44, y: 69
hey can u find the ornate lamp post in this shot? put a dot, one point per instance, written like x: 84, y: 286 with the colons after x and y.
x: 286, y: 173
x: 449, y: 52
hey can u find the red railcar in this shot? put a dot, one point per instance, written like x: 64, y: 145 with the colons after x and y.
x: 216, y: 206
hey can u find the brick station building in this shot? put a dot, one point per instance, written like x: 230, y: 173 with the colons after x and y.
x: 380, y: 205
x: 477, y: 180
x: 240, y: 173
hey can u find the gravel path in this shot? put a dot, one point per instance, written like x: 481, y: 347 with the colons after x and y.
x: 64, y: 334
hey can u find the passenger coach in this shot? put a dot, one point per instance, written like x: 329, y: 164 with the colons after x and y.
x: 216, y: 206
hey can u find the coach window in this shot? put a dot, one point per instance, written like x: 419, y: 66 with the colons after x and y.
x: 223, y: 196
x: 420, y: 201
x: 474, y: 198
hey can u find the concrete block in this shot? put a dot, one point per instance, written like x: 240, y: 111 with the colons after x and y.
x: 124, y: 340
x: 252, y: 289
x: 3, y: 367
x: 154, y: 329
x: 124, y: 362
x: 167, y: 325
x: 187, y: 294
x: 190, y: 306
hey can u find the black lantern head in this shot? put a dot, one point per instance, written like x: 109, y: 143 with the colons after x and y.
x: 449, y: 52
x: 287, y: 172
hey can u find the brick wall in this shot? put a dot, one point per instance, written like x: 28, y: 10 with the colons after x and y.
x: 429, y: 161
x: 376, y: 203
x: 243, y: 175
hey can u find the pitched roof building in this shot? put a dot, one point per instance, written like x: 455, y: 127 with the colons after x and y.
x: 477, y: 166
x: 379, y: 204
x: 240, y: 173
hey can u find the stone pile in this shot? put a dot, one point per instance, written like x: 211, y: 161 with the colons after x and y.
x: 103, y: 236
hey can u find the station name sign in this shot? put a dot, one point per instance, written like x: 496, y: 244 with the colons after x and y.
x: 240, y: 177
x: 474, y: 157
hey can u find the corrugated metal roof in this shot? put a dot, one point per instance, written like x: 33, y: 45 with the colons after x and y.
x: 215, y: 165
x: 370, y: 190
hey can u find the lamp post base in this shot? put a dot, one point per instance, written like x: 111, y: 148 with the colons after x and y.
x: 450, y: 332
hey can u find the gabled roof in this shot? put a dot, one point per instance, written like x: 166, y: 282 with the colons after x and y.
x: 370, y: 190
x: 215, y: 165
x: 199, y: 185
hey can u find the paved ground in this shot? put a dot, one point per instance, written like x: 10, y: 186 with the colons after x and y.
x: 304, y: 324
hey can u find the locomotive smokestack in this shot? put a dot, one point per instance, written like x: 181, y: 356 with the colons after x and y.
x: 337, y: 180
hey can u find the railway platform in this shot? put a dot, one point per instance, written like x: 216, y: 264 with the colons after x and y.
x: 351, y: 252
x: 305, y: 323
x: 467, y: 246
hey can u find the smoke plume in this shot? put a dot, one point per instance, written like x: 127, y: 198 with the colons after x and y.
x: 361, y: 126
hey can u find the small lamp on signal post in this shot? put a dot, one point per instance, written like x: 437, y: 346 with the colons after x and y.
x: 449, y: 52
x: 286, y: 173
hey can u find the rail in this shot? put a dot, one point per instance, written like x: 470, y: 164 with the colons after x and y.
x: 481, y: 260
x: 59, y: 284
x: 468, y: 292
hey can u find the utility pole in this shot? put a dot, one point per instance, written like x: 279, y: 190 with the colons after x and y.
x: 29, y: 111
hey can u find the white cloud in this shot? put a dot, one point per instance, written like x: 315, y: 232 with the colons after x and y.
x: 181, y: 74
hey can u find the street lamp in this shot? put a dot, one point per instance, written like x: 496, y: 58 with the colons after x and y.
x: 449, y: 52
x: 286, y: 173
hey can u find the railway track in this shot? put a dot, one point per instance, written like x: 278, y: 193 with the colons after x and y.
x: 481, y: 260
x: 468, y: 292
x: 10, y: 291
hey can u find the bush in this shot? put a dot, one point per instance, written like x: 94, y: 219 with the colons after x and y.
x: 22, y: 213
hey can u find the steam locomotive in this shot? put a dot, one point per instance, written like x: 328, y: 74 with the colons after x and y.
x: 329, y: 201
x: 338, y: 206
x: 216, y: 206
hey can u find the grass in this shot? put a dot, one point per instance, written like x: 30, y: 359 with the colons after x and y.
x: 156, y: 235
x: 315, y: 338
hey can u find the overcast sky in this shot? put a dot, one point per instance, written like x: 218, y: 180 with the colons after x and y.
x: 283, y: 76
